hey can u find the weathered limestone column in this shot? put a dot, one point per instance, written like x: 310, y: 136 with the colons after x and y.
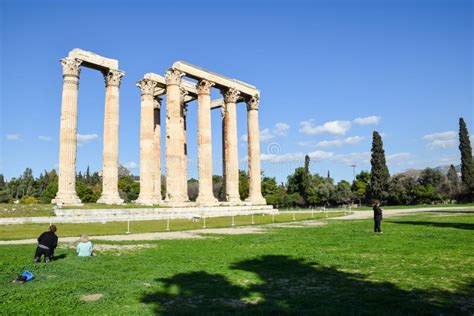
x: 174, y: 138
x: 157, y: 150
x: 231, y: 146
x: 224, y: 160
x: 206, y: 195
x: 68, y: 134
x: 255, y: 190
x: 110, y: 194
x: 184, y: 112
x: 147, y: 134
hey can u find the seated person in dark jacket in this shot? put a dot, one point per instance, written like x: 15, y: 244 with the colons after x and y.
x: 47, y: 242
x: 377, y: 217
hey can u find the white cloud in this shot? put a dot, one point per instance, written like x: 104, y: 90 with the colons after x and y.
x: 281, y: 158
x: 267, y: 134
x: 83, y: 139
x: 369, y: 120
x: 360, y: 158
x: 340, y: 142
x: 45, y: 138
x: 281, y: 129
x: 131, y: 165
x: 13, y: 137
x: 399, y: 159
x: 309, y: 143
x: 437, y: 140
x: 333, y: 127
x: 295, y: 157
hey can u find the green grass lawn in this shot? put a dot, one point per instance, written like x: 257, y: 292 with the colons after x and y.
x: 422, y: 264
x: 26, y: 210
x: 389, y: 207
x: 11, y: 232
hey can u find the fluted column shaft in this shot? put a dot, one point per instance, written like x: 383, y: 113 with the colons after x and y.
x: 147, y: 133
x: 206, y: 195
x: 110, y: 194
x: 255, y: 190
x: 174, y: 139
x: 68, y: 134
x: 184, y: 159
x: 231, y: 146
x: 157, y: 150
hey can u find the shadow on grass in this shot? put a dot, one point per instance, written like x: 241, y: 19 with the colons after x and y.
x: 453, y: 212
x: 59, y: 257
x: 294, y: 286
x: 436, y: 224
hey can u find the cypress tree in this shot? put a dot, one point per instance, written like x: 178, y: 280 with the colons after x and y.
x: 379, y: 175
x: 306, y: 163
x: 467, y: 167
x: 452, y: 175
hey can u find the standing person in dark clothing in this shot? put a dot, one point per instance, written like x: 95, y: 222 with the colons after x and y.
x: 47, y: 242
x: 377, y: 217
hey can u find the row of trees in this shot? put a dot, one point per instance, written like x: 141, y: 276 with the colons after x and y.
x: 301, y: 189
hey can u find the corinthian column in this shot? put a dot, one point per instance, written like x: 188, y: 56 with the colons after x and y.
x: 147, y: 155
x: 231, y: 155
x: 157, y: 150
x: 255, y: 191
x: 68, y: 134
x: 206, y: 196
x: 184, y: 112
x: 174, y: 138
x: 110, y: 194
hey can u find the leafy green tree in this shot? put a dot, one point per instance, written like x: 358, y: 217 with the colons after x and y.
x: 324, y: 192
x: 402, y: 190
x: 85, y: 192
x: 431, y: 176
x: 467, y: 165
x: 363, y: 176
x: 2, y: 182
x: 379, y: 174
x: 425, y: 193
x: 243, y: 185
x: 451, y: 187
x: 269, y: 186
x: 50, y: 192
x: 218, y: 187
x: 359, y: 190
x: 129, y: 189
x: 342, y: 192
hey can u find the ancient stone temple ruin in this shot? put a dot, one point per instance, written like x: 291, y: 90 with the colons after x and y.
x: 178, y: 92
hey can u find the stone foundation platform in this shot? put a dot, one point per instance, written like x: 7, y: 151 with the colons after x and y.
x: 141, y: 214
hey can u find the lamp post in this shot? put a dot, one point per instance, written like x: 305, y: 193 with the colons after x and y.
x: 354, y: 170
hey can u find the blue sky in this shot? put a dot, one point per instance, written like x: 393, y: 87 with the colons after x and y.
x: 330, y: 72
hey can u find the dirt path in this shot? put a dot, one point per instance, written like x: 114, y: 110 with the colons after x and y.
x: 257, y: 229
x: 400, y: 212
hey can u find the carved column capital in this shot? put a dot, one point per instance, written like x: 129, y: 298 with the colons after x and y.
x: 147, y: 86
x: 71, y: 67
x: 252, y: 103
x: 157, y: 103
x: 204, y: 86
x: 173, y: 77
x: 113, y: 77
x: 183, y: 94
x: 231, y: 95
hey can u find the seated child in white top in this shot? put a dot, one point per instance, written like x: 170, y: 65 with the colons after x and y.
x: 85, y: 248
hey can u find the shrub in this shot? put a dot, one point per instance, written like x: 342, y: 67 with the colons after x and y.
x: 29, y: 200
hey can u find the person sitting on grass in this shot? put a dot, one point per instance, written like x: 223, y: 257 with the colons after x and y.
x: 85, y: 247
x: 47, y: 242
